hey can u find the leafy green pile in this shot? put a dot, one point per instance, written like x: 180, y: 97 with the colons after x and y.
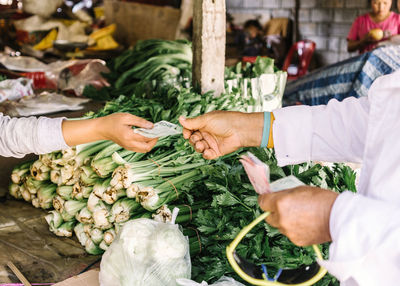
x: 234, y: 205
x: 151, y: 64
x: 261, y: 66
x: 153, y: 81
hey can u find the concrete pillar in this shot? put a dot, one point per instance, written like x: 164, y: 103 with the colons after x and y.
x: 209, y: 33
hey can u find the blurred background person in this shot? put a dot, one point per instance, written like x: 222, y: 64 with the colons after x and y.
x: 251, y: 40
x: 368, y: 29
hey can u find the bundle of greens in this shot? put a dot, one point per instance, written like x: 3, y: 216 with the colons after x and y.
x: 151, y: 64
x: 234, y: 205
x: 95, y: 188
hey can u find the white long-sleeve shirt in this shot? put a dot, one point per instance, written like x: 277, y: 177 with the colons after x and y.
x: 365, y: 227
x: 21, y: 136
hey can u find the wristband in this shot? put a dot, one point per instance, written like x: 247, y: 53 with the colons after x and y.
x: 266, y: 129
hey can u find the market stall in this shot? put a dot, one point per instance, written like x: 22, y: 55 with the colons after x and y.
x: 101, y: 214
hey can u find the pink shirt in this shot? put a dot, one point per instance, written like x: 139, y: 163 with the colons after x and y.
x: 364, y: 23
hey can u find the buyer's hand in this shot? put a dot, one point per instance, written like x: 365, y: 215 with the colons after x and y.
x: 221, y: 132
x: 302, y: 213
x: 116, y: 127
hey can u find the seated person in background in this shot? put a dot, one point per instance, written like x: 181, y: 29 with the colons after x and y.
x: 251, y: 41
x: 368, y: 29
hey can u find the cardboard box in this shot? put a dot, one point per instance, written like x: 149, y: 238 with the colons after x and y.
x: 89, y: 278
x: 136, y: 21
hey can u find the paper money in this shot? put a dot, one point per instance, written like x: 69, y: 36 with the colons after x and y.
x: 285, y: 183
x: 160, y: 129
x: 258, y: 173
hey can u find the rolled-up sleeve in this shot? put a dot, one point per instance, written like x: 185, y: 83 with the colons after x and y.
x: 334, y: 132
x: 21, y: 136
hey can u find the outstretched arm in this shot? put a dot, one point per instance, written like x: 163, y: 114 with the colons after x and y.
x: 21, y: 136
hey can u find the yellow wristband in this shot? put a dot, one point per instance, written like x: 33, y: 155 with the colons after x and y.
x: 270, y: 139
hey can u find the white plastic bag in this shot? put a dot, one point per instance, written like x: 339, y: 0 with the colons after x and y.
x: 223, y: 281
x: 146, y: 253
x: 44, y: 103
x: 14, y: 89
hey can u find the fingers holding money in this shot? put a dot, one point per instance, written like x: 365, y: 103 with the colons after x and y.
x: 160, y: 129
x: 118, y: 128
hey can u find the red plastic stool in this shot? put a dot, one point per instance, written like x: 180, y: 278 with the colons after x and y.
x: 297, y: 67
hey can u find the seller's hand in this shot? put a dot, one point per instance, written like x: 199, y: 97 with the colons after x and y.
x: 116, y: 127
x: 302, y: 213
x: 221, y: 132
x: 368, y: 39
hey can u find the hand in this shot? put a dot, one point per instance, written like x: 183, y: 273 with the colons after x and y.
x: 221, y: 132
x: 302, y: 213
x: 368, y: 39
x: 116, y: 127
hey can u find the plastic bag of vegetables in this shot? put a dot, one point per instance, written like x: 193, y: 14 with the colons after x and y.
x: 223, y: 281
x: 146, y: 253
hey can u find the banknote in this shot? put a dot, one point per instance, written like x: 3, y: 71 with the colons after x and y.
x: 257, y: 171
x: 160, y: 129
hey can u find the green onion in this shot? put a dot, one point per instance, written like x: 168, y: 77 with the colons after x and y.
x: 92, y: 202
x: 134, y: 188
x: 36, y: 203
x: 65, y: 229
x: 34, y: 185
x: 80, y: 192
x: 101, y: 216
x: 111, y: 195
x: 84, y: 152
x: 109, y: 236
x: 58, y: 203
x: 26, y: 195
x: 20, y: 171
x: 14, y: 190
x: 64, y: 192
x: 40, y: 171
x: 153, y: 198
x: 100, y: 187
x: 96, y: 235
x: 123, y: 209
x: 81, y: 234
x: 54, y: 220
x: 46, y: 195
x: 55, y: 177
x: 72, y: 207
x: 103, y: 245
x: 88, y: 176
x: 84, y: 216
x: 92, y: 248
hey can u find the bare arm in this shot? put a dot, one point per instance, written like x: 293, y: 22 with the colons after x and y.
x: 116, y: 127
x: 21, y: 136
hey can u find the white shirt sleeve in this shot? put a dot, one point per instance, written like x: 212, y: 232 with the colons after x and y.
x: 366, y: 235
x: 334, y: 132
x: 21, y: 136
